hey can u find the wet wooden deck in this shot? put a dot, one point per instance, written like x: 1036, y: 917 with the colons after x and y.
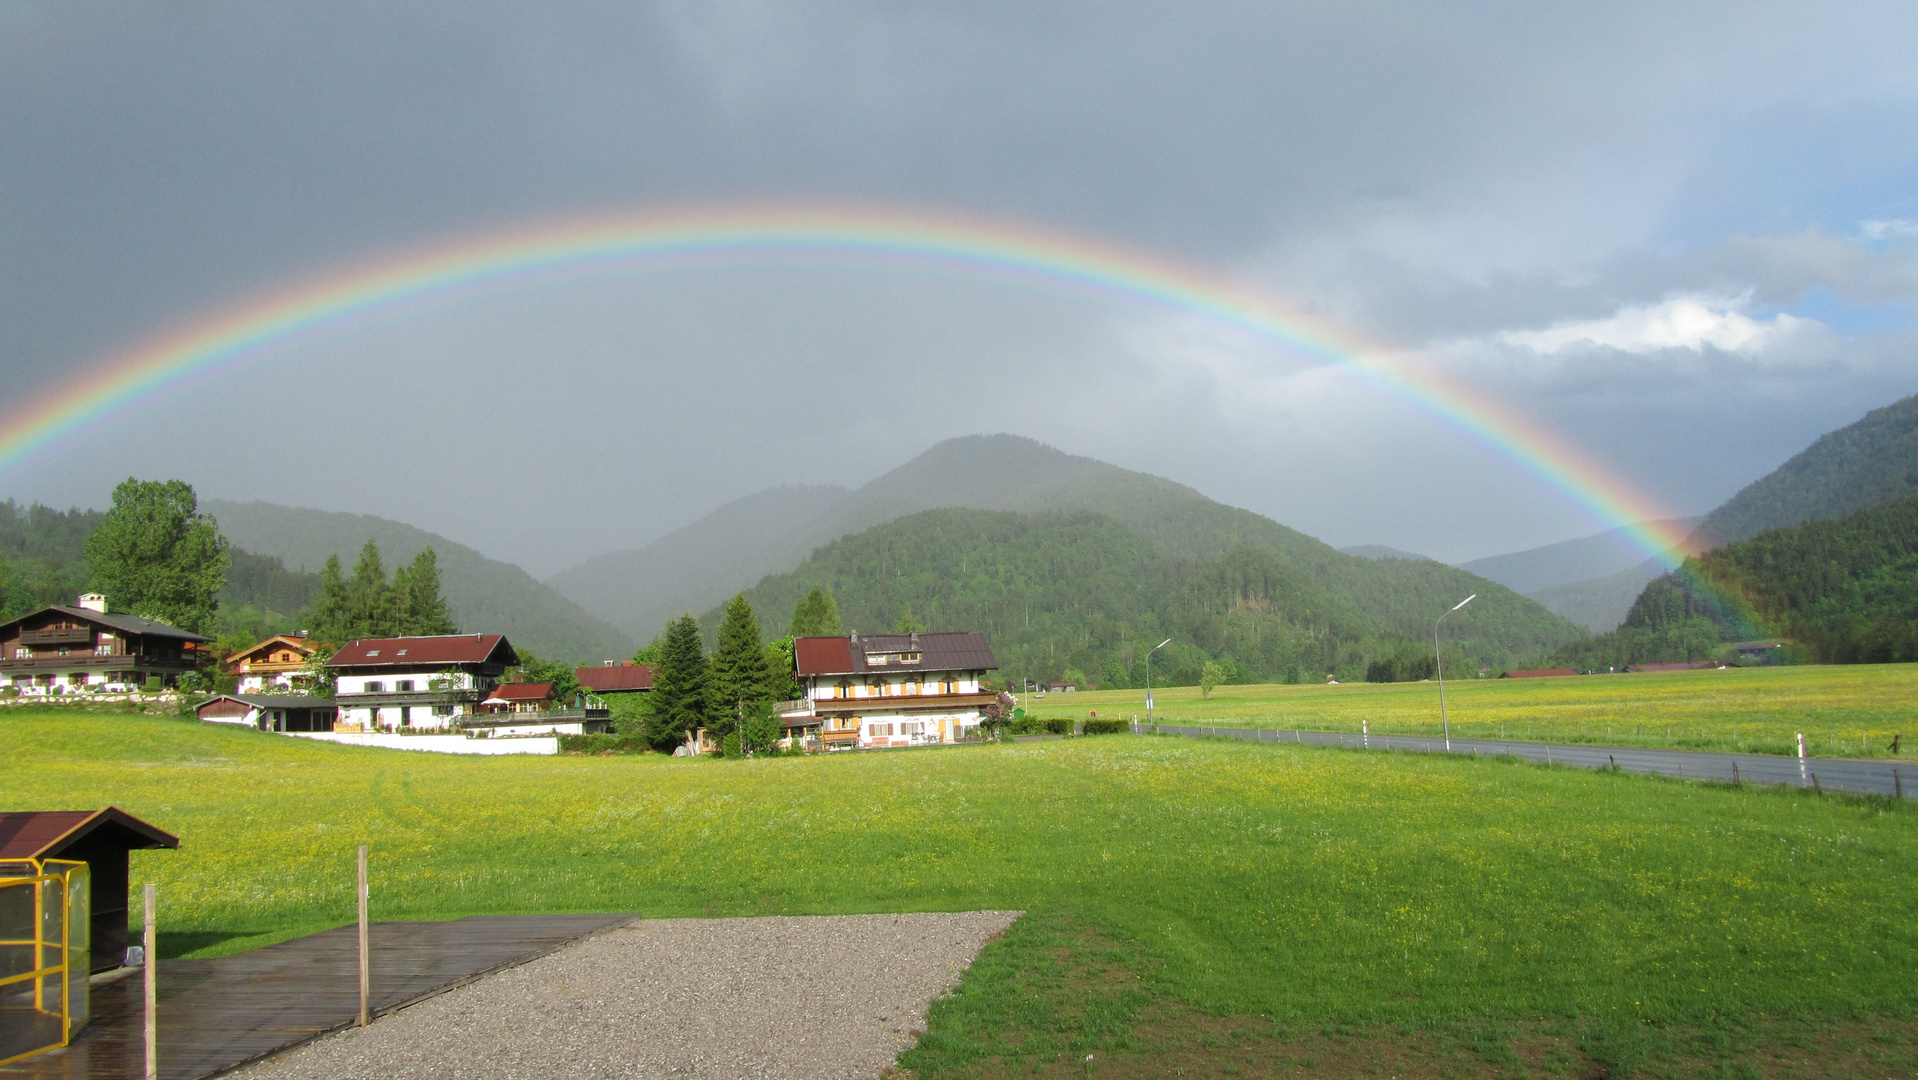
x: 216, y: 1015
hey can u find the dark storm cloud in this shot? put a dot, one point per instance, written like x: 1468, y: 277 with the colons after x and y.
x: 1438, y: 175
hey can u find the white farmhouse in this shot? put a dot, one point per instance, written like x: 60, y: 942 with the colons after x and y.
x: 406, y: 683
x: 889, y: 689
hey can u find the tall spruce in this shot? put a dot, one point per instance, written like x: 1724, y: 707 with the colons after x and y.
x: 369, y: 600
x: 332, y: 612
x: 682, y: 697
x: 416, y: 593
x: 742, y: 672
x: 156, y: 556
x: 817, y: 615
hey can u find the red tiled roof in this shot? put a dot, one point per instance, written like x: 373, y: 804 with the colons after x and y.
x: 411, y: 651
x: 822, y: 655
x: 613, y: 680
x: 43, y: 834
x: 522, y: 691
x: 1538, y: 673
x: 944, y: 651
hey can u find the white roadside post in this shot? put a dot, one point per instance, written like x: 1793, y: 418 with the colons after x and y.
x: 1801, y: 759
x: 1439, y: 660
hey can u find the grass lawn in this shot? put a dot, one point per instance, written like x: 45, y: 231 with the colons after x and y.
x: 1843, y: 711
x: 1195, y: 905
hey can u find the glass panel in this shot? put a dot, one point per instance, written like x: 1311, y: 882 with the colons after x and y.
x: 79, y: 944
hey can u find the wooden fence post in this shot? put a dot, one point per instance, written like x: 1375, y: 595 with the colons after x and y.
x: 365, y: 981
x: 150, y: 945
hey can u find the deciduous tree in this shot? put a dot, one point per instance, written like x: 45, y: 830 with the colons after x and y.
x: 156, y: 556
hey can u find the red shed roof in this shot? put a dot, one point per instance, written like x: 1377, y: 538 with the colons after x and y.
x: 616, y: 679
x: 44, y: 834
x: 414, y: 651
x: 521, y: 691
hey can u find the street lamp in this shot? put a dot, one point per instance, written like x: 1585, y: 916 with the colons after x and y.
x: 1148, y: 677
x: 1439, y: 660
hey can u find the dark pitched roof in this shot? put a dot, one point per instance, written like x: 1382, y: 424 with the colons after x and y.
x: 132, y: 624
x: 613, y: 680
x: 945, y: 651
x: 275, y: 701
x: 414, y: 651
x: 43, y: 834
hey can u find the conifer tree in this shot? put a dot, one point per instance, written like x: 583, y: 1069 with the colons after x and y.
x: 332, y: 614
x: 416, y: 594
x: 742, y: 676
x: 908, y: 623
x: 369, y: 601
x: 682, y: 685
x: 817, y: 615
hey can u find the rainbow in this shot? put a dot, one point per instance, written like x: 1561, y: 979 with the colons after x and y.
x: 998, y: 250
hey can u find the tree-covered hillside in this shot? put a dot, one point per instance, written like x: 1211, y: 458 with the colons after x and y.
x: 1868, y: 463
x: 1079, y: 592
x: 1841, y: 591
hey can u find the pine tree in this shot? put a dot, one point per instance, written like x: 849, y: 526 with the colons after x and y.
x: 742, y: 680
x: 416, y: 593
x: 369, y: 600
x: 332, y: 614
x: 156, y: 556
x: 817, y: 615
x: 908, y: 623
x: 682, y: 686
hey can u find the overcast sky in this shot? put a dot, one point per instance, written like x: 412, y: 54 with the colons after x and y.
x: 1685, y: 237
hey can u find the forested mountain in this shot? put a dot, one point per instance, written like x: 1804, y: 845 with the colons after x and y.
x: 483, y: 593
x: 42, y: 561
x: 1841, y: 591
x: 1010, y: 473
x: 1380, y: 551
x: 1600, y: 604
x: 1870, y: 462
x: 1571, y: 561
x: 1080, y: 591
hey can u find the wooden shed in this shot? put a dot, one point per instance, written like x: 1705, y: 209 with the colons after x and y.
x: 99, y: 838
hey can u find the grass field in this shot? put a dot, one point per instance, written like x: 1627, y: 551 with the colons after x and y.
x: 1193, y: 904
x: 1843, y: 711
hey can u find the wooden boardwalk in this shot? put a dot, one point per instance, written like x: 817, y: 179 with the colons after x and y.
x: 216, y: 1015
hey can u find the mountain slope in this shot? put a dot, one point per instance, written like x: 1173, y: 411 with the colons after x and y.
x: 1868, y: 463
x: 484, y: 594
x: 1380, y: 551
x: 1010, y: 473
x: 1600, y: 604
x: 1057, y: 590
x: 1583, y: 560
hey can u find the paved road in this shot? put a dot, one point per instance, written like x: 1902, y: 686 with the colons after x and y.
x: 1846, y: 774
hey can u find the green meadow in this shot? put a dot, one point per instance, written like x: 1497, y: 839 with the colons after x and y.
x: 1842, y: 710
x: 1192, y: 905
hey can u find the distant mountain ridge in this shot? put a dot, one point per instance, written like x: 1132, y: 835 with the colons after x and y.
x: 1582, y: 560
x: 1858, y: 466
x: 484, y: 594
x: 1380, y: 551
x: 1077, y: 591
x: 992, y: 473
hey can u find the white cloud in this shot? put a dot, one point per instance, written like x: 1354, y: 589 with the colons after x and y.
x: 1888, y: 229
x: 1679, y: 323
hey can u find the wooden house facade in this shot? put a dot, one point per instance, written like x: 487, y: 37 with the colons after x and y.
x: 60, y: 649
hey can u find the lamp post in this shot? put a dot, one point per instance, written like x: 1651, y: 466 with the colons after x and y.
x: 1148, y: 677
x: 1439, y: 661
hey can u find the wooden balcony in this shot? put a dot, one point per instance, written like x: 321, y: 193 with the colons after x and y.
x: 409, y: 697
x: 88, y: 661
x: 80, y: 636
x: 903, y: 703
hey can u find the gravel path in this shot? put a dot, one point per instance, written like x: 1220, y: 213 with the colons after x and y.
x: 817, y: 997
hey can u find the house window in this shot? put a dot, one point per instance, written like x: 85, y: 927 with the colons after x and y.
x: 843, y: 690
x: 373, y: 688
x: 882, y: 731
x: 442, y: 710
x: 909, y: 658
x: 912, y: 728
x: 404, y: 686
x: 22, y: 654
x: 103, y: 650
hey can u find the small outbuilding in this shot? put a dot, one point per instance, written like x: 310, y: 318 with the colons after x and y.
x: 271, y: 712
x: 616, y: 678
x: 99, y: 838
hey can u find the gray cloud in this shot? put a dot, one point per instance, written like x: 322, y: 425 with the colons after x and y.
x: 1437, y: 176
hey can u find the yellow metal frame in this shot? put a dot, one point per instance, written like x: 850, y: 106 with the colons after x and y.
x: 59, y: 946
